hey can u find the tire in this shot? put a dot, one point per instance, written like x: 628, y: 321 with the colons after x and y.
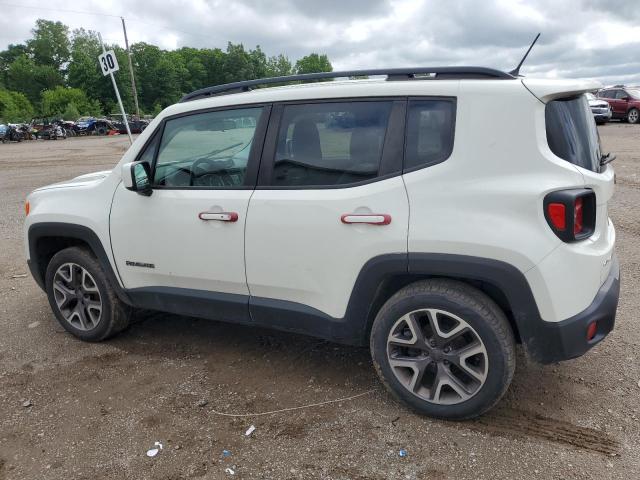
x: 101, y: 131
x: 472, y: 320
x: 88, y: 323
x: 633, y: 116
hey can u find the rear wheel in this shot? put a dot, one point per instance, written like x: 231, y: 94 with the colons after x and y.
x: 444, y: 348
x: 633, y: 116
x: 81, y: 297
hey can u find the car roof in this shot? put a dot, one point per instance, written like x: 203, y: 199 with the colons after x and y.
x: 545, y: 89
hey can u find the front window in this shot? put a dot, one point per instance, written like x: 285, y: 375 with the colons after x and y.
x: 571, y: 132
x: 206, y: 149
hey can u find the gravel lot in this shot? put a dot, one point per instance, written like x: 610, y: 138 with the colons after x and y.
x: 95, y: 409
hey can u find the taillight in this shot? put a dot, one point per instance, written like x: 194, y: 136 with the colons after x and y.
x: 557, y: 215
x: 577, y: 216
x: 27, y: 208
x: 571, y: 214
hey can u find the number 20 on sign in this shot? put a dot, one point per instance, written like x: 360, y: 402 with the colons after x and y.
x: 108, y: 62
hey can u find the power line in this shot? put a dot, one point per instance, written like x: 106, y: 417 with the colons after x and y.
x: 33, y: 7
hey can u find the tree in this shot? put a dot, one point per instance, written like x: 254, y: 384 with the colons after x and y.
x: 278, y: 66
x: 313, y: 63
x: 71, y: 113
x: 25, y: 76
x: 7, y: 57
x: 50, y: 43
x: 56, y: 102
x: 14, y: 107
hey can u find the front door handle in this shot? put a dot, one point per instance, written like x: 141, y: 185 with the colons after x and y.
x: 368, y: 218
x: 219, y: 216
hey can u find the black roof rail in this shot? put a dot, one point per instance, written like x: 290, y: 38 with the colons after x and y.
x: 421, y: 73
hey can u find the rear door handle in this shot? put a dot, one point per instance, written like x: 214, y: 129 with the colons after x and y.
x: 369, y: 218
x: 219, y: 216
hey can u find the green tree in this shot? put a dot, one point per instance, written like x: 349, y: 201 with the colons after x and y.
x: 25, y: 76
x: 55, y: 102
x: 50, y: 43
x: 71, y: 113
x: 278, y: 66
x: 313, y: 63
x: 7, y: 57
x: 14, y: 107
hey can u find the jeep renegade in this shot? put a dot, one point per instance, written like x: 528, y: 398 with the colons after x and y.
x: 393, y: 211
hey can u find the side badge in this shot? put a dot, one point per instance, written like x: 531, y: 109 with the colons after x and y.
x: 139, y: 264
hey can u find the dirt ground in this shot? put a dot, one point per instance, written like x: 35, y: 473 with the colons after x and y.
x: 95, y: 409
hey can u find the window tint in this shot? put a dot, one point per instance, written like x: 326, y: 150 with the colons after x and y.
x: 572, y: 133
x: 606, y: 94
x: 621, y: 94
x: 327, y: 144
x: 206, y: 149
x: 430, y: 128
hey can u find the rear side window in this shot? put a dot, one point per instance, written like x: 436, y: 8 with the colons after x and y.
x: 572, y: 133
x: 430, y: 129
x: 328, y: 144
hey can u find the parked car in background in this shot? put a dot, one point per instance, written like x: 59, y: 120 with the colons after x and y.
x: 135, y: 125
x: 600, y: 108
x: 624, y: 102
x: 94, y: 126
x: 11, y: 134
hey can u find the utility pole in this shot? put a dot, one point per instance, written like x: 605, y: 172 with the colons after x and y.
x: 133, y: 79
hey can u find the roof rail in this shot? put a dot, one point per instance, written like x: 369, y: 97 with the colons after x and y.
x: 422, y: 73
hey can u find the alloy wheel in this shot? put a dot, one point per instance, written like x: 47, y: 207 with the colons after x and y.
x: 437, y: 356
x: 77, y: 296
x: 633, y: 116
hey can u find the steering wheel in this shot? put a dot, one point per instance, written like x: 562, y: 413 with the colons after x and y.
x: 222, y: 176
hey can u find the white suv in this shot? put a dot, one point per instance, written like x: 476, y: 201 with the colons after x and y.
x: 439, y: 216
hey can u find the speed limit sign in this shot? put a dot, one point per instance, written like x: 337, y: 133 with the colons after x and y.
x: 108, y: 62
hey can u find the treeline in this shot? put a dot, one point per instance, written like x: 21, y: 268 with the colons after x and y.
x: 56, y: 74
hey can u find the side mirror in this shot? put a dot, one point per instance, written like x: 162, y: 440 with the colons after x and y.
x: 626, y: 99
x: 135, y: 176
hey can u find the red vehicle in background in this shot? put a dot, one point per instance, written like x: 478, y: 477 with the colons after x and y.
x: 624, y: 101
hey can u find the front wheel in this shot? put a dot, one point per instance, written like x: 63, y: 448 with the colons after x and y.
x: 633, y: 116
x: 444, y: 348
x: 81, y: 297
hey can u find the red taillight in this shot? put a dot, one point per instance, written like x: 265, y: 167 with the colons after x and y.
x: 577, y: 216
x: 571, y: 213
x: 592, y: 329
x: 557, y: 215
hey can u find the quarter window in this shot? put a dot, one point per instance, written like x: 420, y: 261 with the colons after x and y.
x: 327, y: 144
x: 206, y: 149
x: 430, y: 129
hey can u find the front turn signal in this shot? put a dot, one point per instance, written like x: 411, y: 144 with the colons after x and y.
x: 27, y: 208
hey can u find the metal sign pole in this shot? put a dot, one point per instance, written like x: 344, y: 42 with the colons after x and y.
x: 115, y: 87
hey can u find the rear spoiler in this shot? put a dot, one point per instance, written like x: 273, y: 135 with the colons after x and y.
x: 547, y: 90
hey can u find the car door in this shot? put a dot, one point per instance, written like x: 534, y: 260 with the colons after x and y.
x: 186, y: 240
x: 622, y: 102
x: 329, y: 199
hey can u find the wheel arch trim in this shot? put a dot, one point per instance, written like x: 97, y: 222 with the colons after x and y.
x: 61, y: 230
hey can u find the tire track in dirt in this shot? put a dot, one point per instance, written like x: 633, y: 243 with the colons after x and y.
x: 516, y: 423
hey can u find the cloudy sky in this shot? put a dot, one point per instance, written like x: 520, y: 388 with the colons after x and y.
x: 580, y: 38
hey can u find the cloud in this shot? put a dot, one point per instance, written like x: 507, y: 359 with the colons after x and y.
x: 580, y: 38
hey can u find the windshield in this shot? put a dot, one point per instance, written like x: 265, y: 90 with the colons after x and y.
x: 571, y: 132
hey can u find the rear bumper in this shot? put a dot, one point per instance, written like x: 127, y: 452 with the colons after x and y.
x: 556, y: 341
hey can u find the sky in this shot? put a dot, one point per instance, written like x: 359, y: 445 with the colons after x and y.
x: 580, y: 38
